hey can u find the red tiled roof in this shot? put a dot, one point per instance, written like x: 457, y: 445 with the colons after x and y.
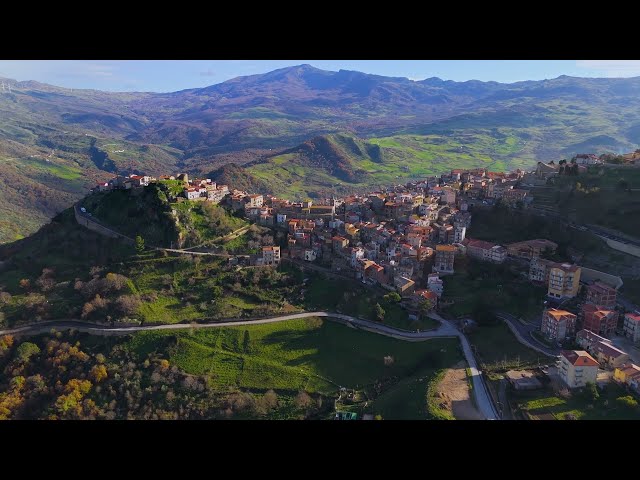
x: 580, y: 358
x: 480, y: 244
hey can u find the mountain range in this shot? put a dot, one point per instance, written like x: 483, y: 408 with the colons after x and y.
x: 297, y: 131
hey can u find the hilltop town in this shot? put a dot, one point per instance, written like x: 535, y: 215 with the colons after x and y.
x: 406, y: 238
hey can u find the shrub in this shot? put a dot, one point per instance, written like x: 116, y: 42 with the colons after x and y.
x: 26, y: 350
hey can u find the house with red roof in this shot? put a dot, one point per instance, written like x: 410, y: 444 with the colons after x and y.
x: 577, y: 368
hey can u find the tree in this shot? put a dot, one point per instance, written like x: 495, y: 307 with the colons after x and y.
x: 303, y: 400
x: 379, y: 312
x: 591, y: 392
x: 26, y: 350
x: 139, y: 244
x: 270, y: 399
x: 627, y: 403
x: 5, y: 297
x: 98, y: 373
x: 392, y: 297
x: 128, y: 304
x: 25, y: 284
x: 115, y: 281
x: 388, y: 361
x: 425, y: 306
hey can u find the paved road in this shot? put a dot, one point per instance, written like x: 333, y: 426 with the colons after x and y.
x: 446, y: 330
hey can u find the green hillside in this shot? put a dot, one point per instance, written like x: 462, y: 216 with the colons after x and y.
x: 148, y: 213
x: 421, y: 128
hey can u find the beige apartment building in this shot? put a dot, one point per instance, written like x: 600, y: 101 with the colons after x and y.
x: 564, y: 280
x: 577, y: 368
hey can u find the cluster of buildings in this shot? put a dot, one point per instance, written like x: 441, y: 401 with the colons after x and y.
x: 191, y: 189
x: 402, y: 239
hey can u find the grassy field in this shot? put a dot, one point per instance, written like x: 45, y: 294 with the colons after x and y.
x: 309, y: 354
x: 506, y: 291
x: 353, y: 299
x: 604, y: 408
x: 497, y: 349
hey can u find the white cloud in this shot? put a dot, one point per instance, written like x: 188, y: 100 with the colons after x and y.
x: 611, y: 68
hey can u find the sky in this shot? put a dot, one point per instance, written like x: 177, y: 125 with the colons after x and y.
x: 173, y: 75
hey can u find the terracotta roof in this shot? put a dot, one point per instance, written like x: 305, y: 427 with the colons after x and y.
x: 445, y: 248
x: 601, y: 288
x: 609, y: 350
x: 428, y: 294
x: 480, y: 244
x: 580, y: 358
x: 633, y: 316
x: 630, y: 370
x: 558, y: 314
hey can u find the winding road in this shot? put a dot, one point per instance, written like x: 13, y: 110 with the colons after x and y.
x: 445, y: 330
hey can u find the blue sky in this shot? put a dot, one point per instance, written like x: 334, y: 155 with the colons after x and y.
x: 172, y: 75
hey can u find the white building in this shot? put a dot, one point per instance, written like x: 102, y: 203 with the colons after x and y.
x: 271, y: 256
x: 632, y: 326
x: 459, y: 233
x: 356, y: 254
x: 192, y: 193
x: 435, y: 284
x: 577, y: 368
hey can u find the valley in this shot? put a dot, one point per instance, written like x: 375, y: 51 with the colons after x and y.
x: 57, y: 143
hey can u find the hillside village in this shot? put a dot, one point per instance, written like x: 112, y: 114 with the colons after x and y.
x: 406, y: 238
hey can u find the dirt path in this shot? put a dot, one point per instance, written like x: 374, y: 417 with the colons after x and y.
x: 454, y: 392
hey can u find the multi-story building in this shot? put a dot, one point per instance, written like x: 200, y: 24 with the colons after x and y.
x: 271, y: 256
x: 632, y: 326
x: 557, y: 325
x: 588, y: 340
x: 564, y: 280
x: 356, y: 254
x: 435, y: 284
x: 600, y: 293
x: 486, y: 251
x: 577, y: 368
x: 459, y: 233
x: 513, y: 196
x: 609, y: 355
x: 539, y: 269
x: 445, y: 256
x: 254, y: 200
x: 339, y: 243
x: 599, y: 320
x: 627, y: 374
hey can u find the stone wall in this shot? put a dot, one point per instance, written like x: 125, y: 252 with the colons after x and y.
x: 96, y: 227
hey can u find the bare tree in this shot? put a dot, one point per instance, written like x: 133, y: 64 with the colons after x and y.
x: 270, y: 399
x: 303, y: 400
